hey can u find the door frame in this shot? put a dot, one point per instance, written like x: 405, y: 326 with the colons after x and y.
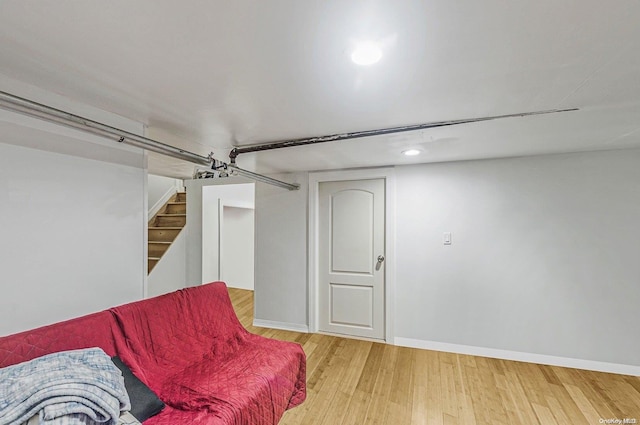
x: 194, y: 235
x: 386, y: 173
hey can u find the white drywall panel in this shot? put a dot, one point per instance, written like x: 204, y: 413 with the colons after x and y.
x: 543, y: 259
x: 281, y: 252
x: 237, y: 247
x: 73, y: 229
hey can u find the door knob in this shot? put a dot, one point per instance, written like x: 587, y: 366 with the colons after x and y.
x: 379, y: 263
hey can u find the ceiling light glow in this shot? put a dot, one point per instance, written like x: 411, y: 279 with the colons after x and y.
x: 366, y: 53
x: 411, y: 152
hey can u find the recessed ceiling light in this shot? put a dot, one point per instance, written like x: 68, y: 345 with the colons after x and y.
x: 411, y: 152
x: 366, y: 53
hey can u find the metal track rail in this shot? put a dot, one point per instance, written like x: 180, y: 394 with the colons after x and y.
x: 38, y: 110
x: 57, y: 116
x: 368, y: 133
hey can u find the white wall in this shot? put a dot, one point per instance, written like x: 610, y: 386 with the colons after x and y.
x: 73, y: 209
x: 237, y: 246
x: 281, y: 253
x: 544, y: 257
x: 73, y: 233
x: 169, y: 274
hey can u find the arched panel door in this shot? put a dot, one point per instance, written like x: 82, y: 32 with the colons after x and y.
x: 351, y: 258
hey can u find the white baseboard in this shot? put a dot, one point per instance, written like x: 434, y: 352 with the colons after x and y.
x: 519, y: 356
x: 295, y: 327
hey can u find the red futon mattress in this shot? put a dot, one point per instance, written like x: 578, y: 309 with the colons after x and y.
x: 190, y: 349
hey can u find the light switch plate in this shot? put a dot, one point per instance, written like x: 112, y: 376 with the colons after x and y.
x: 447, y: 238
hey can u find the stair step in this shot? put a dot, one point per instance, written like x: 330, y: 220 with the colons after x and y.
x: 151, y: 263
x: 176, y: 208
x: 170, y: 220
x: 157, y: 249
x: 163, y: 234
x: 164, y: 227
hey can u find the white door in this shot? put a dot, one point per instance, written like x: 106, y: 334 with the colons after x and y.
x: 351, y: 257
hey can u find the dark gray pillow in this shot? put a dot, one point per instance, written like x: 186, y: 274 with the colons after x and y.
x: 144, y: 402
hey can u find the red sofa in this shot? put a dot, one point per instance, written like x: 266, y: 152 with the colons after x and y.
x: 190, y: 349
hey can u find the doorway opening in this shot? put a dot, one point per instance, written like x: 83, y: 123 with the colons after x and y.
x: 228, y: 234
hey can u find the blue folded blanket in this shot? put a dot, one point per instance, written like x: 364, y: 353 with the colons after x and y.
x: 79, y: 387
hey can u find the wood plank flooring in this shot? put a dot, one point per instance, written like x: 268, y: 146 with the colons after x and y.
x: 352, y: 382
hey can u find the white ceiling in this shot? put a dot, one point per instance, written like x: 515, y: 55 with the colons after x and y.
x: 210, y: 75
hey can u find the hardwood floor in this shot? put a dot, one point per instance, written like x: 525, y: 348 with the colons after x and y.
x: 352, y: 382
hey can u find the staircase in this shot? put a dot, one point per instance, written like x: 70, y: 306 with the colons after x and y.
x: 165, y: 226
